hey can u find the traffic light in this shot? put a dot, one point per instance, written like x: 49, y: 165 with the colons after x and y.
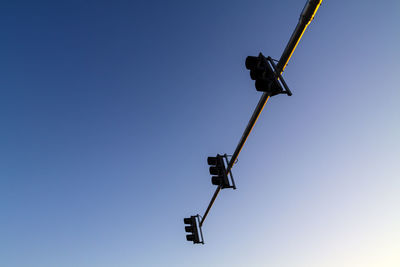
x: 262, y: 73
x: 192, y: 228
x: 219, y: 171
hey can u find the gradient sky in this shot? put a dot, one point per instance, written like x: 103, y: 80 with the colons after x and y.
x: 109, y: 109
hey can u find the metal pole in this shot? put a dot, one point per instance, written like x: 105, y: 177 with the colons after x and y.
x: 306, y: 17
x: 210, y: 205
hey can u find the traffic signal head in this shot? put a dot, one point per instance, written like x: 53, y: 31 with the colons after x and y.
x: 192, y: 228
x: 263, y: 74
x: 218, y: 169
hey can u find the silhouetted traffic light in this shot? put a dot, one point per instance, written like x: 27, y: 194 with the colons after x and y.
x: 262, y: 73
x: 219, y: 171
x: 192, y: 228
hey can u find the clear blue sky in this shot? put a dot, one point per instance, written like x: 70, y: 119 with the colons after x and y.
x: 109, y: 110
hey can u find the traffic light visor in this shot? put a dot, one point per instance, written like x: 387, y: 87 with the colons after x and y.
x: 212, y: 160
x: 216, y: 180
x: 214, y: 170
x: 251, y: 62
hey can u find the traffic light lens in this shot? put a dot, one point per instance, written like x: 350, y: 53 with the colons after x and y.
x: 187, y: 220
x: 189, y: 229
